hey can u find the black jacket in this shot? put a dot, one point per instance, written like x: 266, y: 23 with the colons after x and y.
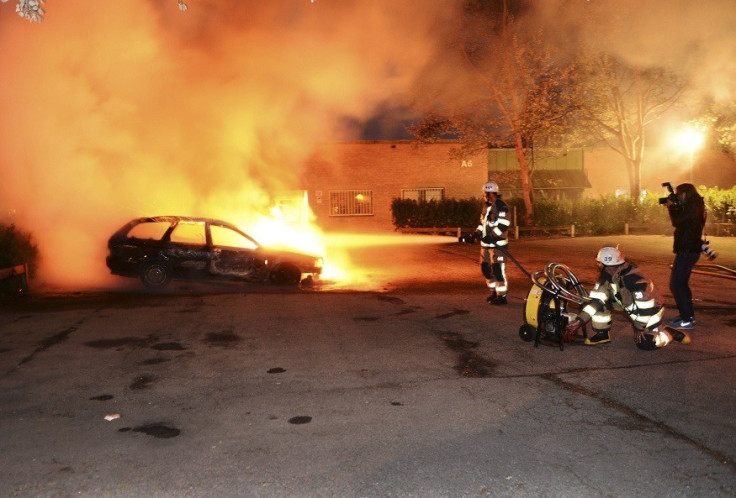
x: 688, y: 219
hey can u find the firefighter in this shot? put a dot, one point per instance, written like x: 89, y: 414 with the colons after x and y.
x: 620, y: 285
x: 493, y: 235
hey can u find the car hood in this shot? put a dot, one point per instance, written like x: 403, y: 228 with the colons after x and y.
x: 276, y: 254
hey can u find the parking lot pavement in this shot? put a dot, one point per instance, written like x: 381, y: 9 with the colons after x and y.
x: 411, y: 385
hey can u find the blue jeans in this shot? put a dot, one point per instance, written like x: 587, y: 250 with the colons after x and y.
x: 680, y: 282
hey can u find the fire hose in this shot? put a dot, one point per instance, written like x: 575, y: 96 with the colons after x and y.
x: 558, y: 280
x: 717, y: 271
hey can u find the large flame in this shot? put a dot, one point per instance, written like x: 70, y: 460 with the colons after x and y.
x: 115, y: 110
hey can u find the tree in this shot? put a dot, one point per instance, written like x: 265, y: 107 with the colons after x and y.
x: 516, y: 93
x: 620, y: 101
x: 33, y: 11
x: 720, y: 118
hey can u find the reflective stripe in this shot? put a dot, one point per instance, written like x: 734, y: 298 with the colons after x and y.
x: 497, y: 231
x: 601, y: 296
x: 640, y: 319
x: 502, y: 243
x: 646, y: 304
x: 504, y: 221
x: 590, y: 310
x: 601, y: 319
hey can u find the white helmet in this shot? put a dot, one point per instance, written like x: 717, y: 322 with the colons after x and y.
x: 610, y: 256
x: 490, y: 187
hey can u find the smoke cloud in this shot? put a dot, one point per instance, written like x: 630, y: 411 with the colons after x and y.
x: 696, y: 38
x: 112, y: 110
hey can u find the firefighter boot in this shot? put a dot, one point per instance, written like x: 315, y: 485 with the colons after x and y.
x: 492, y: 296
x: 601, y: 337
x: 681, y: 336
x: 498, y: 300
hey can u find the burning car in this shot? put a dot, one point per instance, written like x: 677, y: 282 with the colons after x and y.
x: 162, y: 248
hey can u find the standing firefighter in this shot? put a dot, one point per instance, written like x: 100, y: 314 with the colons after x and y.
x: 492, y: 232
x: 622, y: 286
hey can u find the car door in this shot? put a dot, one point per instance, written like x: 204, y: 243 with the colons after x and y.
x: 187, y: 248
x: 234, y: 254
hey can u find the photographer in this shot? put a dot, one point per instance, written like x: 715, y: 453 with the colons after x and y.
x: 687, y: 213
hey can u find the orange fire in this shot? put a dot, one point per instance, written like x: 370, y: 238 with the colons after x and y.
x: 290, y: 224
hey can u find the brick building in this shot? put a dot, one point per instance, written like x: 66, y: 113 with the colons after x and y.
x: 350, y: 185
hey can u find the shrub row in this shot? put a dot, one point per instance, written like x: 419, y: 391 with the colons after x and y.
x: 602, y: 216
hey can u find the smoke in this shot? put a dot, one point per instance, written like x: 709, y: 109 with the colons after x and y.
x: 698, y: 39
x: 113, y: 110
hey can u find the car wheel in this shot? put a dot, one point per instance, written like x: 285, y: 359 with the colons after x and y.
x: 155, y: 274
x: 286, y: 274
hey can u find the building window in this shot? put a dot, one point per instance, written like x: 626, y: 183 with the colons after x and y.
x: 423, y: 194
x: 351, y: 203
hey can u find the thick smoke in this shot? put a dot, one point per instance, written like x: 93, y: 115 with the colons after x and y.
x: 697, y: 39
x: 112, y: 110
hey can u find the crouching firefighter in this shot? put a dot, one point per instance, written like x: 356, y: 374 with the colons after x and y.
x: 621, y: 286
x: 493, y: 235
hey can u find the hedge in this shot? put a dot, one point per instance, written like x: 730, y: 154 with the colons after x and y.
x: 601, y: 216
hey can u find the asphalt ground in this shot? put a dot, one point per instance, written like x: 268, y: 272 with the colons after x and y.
x: 401, y: 381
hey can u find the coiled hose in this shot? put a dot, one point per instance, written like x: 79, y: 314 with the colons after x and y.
x: 558, y: 279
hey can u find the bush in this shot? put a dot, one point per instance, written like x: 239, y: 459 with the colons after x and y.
x: 16, y: 248
x: 602, y: 216
x: 721, y: 204
x: 409, y: 213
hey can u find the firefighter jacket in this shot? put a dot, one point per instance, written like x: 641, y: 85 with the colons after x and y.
x: 688, y: 218
x: 494, y: 224
x: 629, y: 290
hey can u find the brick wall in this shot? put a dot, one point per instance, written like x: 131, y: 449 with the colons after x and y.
x: 385, y: 168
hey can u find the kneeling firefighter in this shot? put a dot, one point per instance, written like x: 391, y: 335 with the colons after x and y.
x: 493, y: 234
x: 621, y: 286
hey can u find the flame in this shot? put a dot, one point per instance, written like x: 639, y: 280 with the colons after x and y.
x: 290, y: 224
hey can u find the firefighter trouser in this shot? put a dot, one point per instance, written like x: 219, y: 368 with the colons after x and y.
x: 493, y: 267
x: 601, y: 323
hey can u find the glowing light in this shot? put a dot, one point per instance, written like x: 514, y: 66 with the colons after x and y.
x: 692, y: 139
x: 689, y: 140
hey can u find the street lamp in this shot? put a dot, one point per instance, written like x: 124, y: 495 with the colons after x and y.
x: 692, y: 139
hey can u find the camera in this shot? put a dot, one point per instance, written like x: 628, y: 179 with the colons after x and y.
x: 710, y: 253
x: 672, y: 197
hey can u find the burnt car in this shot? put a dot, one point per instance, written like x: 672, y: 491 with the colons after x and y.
x: 162, y: 248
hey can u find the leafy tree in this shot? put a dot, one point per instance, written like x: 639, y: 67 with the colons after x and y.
x: 720, y: 118
x: 33, y: 11
x: 620, y: 101
x: 518, y: 93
